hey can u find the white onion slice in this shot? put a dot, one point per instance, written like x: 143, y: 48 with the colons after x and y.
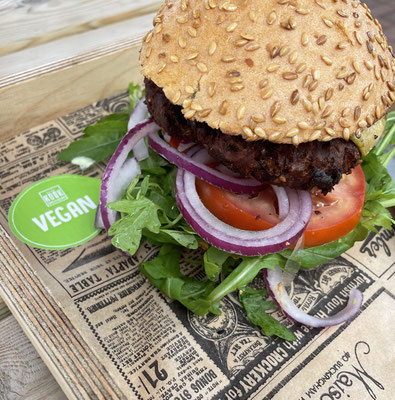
x: 238, y: 241
x: 275, y: 284
x: 138, y: 114
x: 117, y: 175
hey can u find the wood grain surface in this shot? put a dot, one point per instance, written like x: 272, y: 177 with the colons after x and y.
x: 23, y: 374
x: 46, y: 93
x: 61, y: 346
x: 33, y: 58
x: 29, y: 23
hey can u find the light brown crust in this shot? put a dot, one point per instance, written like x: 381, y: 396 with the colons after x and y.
x: 289, y: 71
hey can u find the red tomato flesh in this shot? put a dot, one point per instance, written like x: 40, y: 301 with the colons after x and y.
x: 334, y: 215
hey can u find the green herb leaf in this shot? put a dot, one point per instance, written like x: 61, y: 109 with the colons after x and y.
x: 127, y: 231
x: 99, y: 145
x: 101, y: 139
x: 380, y: 193
x: 108, y: 123
x: 150, y: 211
x: 164, y: 273
x: 255, y: 308
x: 312, y: 257
x: 244, y: 273
x: 154, y: 164
x: 135, y: 94
x: 177, y: 237
x: 214, y: 260
x: 390, y: 122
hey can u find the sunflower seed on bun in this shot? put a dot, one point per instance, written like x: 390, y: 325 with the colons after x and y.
x: 288, y: 72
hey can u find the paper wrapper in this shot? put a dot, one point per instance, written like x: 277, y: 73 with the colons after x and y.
x: 109, y: 334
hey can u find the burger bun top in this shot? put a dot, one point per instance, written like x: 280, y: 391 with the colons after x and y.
x: 288, y: 71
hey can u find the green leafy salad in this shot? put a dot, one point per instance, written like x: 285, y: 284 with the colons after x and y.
x: 148, y: 211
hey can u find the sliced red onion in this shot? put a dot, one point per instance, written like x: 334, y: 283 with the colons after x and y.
x: 98, y: 219
x: 197, y: 167
x: 129, y: 170
x: 120, y: 171
x: 238, y: 241
x: 139, y: 113
x: 166, y: 136
x: 282, y: 199
x: 182, y: 147
x: 274, y: 282
x: 228, y: 171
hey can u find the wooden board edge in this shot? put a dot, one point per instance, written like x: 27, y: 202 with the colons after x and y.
x: 4, y: 311
x: 18, y: 287
x: 64, y: 385
x: 48, y: 92
x: 82, y: 26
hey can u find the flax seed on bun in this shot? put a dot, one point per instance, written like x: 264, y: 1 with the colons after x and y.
x: 287, y: 71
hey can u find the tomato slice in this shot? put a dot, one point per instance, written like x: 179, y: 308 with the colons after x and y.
x: 334, y: 215
x: 174, y: 142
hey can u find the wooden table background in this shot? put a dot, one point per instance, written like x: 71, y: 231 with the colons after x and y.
x: 34, y: 33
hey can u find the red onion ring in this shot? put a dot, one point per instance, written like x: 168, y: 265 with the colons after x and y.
x: 98, y: 219
x: 129, y: 170
x: 210, y: 175
x: 274, y: 282
x: 283, y: 202
x: 118, y: 167
x: 182, y: 147
x: 138, y: 114
x: 238, y: 241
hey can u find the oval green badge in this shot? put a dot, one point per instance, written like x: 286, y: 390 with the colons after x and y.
x: 56, y: 212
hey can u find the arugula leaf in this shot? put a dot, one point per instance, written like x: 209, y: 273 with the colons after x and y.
x: 170, y: 236
x: 380, y: 193
x: 313, y: 256
x: 98, y: 145
x: 214, y: 259
x: 149, y: 211
x: 154, y: 164
x: 101, y: 139
x: 164, y: 273
x: 390, y: 121
x: 244, y: 273
x: 107, y: 123
x: 386, y: 141
x: 255, y: 308
x: 127, y: 231
x: 136, y: 92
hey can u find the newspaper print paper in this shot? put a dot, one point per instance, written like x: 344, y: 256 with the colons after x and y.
x: 155, y: 349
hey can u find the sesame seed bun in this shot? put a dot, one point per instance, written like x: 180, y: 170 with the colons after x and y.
x: 282, y: 70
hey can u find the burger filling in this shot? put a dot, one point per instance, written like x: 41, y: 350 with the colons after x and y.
x: 309, y: 165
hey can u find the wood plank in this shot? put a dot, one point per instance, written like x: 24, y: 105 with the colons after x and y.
x: 23, y: 374
x: 28, y: 24
x: 73, y: 364
x: 33, y: 58
x: 4, y: 311
x: 65, y: 86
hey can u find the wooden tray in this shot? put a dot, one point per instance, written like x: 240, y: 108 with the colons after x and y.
x: 30, y: 98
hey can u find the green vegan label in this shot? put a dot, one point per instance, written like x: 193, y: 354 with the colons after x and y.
x: 57, y: 212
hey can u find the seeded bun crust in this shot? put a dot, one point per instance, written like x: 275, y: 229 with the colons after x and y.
x: 287, y: 71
